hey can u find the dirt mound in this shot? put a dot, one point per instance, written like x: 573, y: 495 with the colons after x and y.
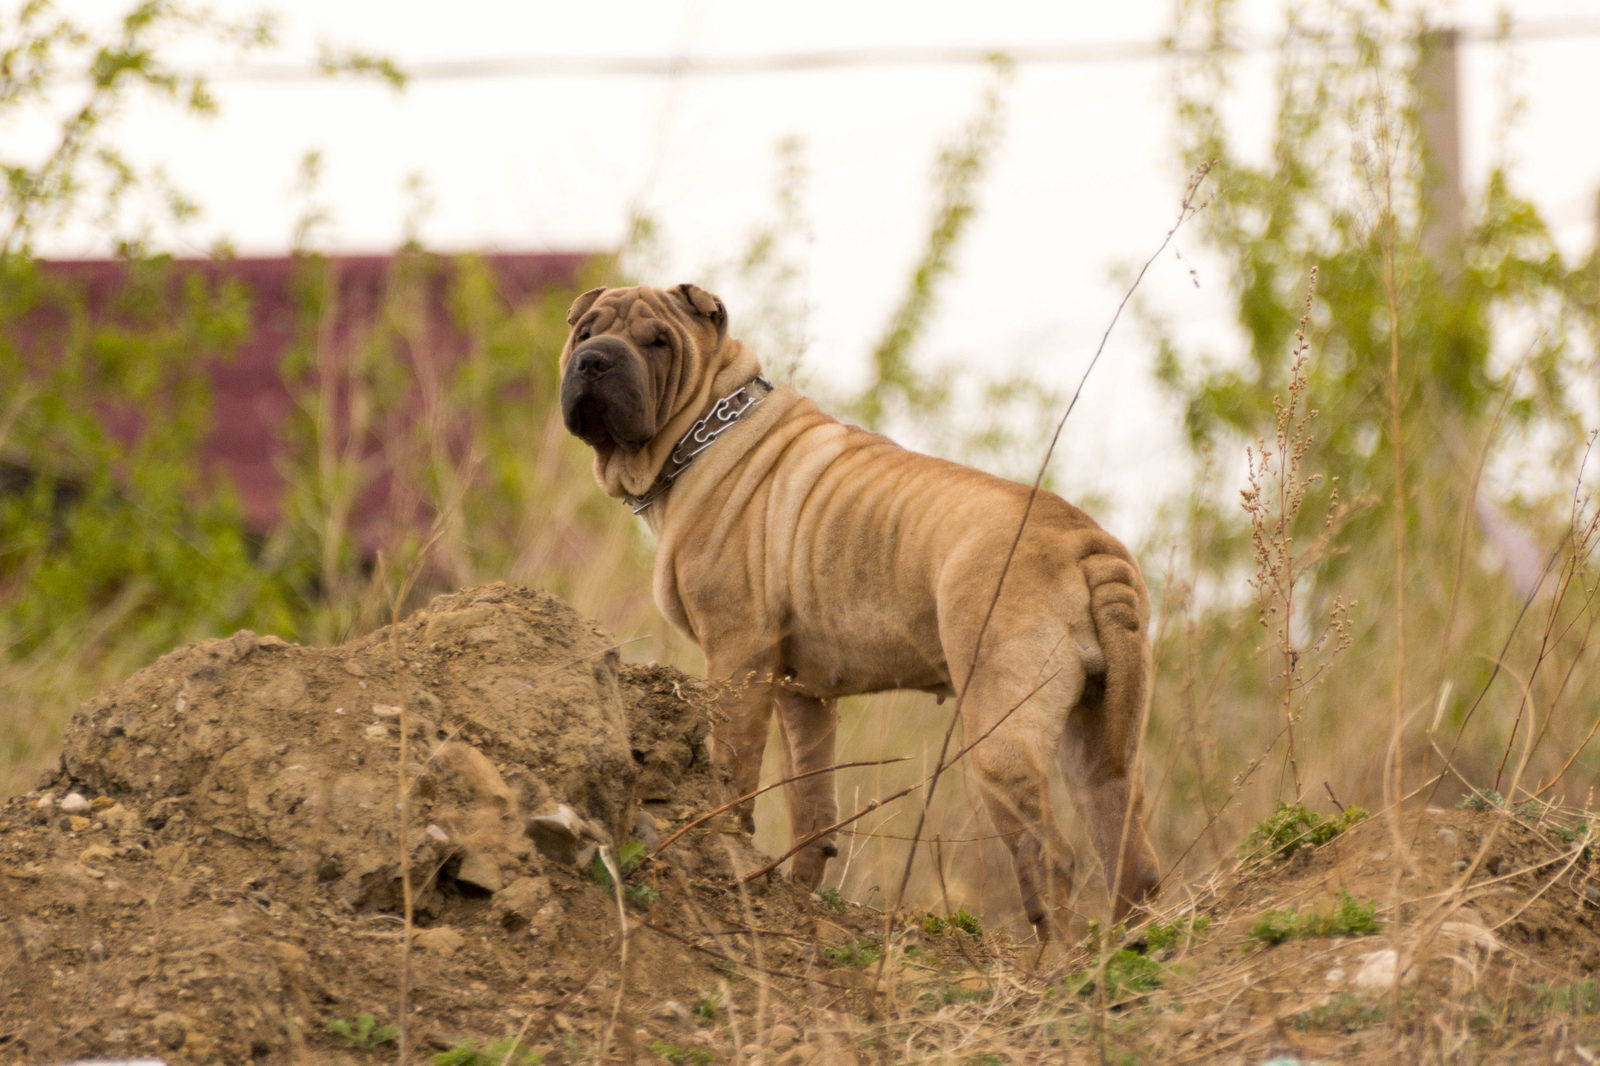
x: 1433, y: 936
x: 224, y: 863
x: 215, y: 872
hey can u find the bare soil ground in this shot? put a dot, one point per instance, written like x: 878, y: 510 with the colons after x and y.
x: 218, y: 870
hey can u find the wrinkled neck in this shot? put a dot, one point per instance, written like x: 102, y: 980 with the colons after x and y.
x: 623, y: 473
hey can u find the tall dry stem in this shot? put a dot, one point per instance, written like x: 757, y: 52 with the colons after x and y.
x: 1190, y: 206
x: 1277, y: 483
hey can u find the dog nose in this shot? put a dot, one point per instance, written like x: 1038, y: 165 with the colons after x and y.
x: 590, y: 363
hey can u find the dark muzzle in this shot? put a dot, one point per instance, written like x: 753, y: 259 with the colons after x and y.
x: 604, y: 400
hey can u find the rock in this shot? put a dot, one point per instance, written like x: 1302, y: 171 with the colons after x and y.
x: 102, y: 802
x: 480, y: 871
x: 645, y: 829
x: 1378, y: 970
x: 518, y: 904
x: 78, y: 823
x: 74, y: 803
x: 119, y: 818
x: 782, y: 1037
x: 439, y: 940
x: 34, y: 938
x: 561, y: 836
x: 171, y: 1029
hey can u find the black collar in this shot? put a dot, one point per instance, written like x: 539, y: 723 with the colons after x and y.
x: 723, y: 414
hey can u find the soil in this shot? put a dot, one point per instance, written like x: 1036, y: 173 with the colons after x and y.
x: 215, y: 870
x: 226, y: 857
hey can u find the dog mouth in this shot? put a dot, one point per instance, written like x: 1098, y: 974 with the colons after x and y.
x: 603, y: 399
x: 594, y: 421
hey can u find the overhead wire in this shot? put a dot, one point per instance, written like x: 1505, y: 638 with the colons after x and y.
x: 685, y: 65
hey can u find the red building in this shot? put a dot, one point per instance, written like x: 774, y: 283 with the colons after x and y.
x: 251, y: 401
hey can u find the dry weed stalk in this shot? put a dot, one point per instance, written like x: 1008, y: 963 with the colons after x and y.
x: 1277, y: 491
x: 1190, y: 207
x: 1582, y: 538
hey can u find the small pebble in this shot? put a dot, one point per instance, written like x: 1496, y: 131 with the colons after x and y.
x: 74, y: 803
x: 1378, y: 971
x: 782, y: 1037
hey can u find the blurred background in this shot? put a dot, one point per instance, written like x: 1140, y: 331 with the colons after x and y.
x: 281, y: 292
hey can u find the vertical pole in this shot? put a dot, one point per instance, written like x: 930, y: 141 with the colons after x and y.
x: 1439, y: 107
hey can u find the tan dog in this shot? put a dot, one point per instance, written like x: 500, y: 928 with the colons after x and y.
x: 812, y: 560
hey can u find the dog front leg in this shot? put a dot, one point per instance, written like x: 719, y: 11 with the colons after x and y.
x: 739, y: 734
x: 808, y: 726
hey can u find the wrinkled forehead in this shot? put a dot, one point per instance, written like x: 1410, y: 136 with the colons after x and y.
x: 641, y: 312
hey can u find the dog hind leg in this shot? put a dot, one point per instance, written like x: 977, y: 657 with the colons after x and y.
x: 1012, y: 768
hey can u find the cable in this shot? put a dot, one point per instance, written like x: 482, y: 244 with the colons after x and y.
x: 568, y: 66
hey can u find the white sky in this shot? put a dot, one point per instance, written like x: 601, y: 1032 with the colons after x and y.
x: 1085, y: 179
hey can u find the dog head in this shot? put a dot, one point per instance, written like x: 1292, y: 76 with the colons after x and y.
x: 640, y: 366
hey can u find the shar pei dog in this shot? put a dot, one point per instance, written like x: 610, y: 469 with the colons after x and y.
x: 812, y: 560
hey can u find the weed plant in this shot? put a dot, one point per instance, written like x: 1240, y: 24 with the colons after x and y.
x: 1347, y: 918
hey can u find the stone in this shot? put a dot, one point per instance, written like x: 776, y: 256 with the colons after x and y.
x: 782, y: 1037
x: 519, y: 903
x: 561, y: 836
x: 438, y: 940
x: 74, y: 803
x: 1378, y: 970
x: 171, y: 1029
x: 480, y: 871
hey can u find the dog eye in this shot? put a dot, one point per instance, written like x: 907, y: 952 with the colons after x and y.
x: 580, y: 334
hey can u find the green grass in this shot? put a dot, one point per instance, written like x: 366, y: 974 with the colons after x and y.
x: 1345, y: 1013
x: 1291, y: 827
x: 503, y: 1051
x: 860, y: 954
x: 1349, y: 918
x: 1579, y: 999
x: 364, y: 1033
x: 1127, y: 974
x: 1161, y: 936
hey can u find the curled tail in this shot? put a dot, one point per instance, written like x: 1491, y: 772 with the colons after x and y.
x: 1120, y: 607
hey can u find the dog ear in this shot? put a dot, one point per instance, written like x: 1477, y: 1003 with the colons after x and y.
x: 582, y: 304
x: 707, y: 305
